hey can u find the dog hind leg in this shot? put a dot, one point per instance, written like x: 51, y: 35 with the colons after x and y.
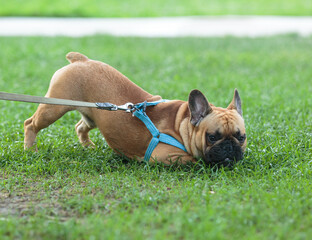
x: 42, y: 118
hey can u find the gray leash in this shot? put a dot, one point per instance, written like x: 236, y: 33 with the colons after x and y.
x: 58, y: 101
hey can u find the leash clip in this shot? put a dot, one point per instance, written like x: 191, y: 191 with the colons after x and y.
x: 128, y: 107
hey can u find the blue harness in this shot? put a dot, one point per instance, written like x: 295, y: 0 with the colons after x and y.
x: 157, y: 136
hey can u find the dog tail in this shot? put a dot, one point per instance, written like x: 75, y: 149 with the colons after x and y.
x: 76, y: 56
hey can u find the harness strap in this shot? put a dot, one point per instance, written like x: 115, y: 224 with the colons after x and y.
x: 157, y: 136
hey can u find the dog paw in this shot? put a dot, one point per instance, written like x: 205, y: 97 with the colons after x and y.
x: 88, y: 143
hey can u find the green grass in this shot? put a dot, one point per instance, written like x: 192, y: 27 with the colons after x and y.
x: 143, y: 8
x: 67, y: 192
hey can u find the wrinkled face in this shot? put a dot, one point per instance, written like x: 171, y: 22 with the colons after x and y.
x: 223, y: 137
x: 219, y: 133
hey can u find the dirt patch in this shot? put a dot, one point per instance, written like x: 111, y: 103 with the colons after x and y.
x: 20, y: 205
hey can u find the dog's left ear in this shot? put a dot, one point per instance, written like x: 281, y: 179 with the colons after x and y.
x: 199, y: 107
x: 236, y: 103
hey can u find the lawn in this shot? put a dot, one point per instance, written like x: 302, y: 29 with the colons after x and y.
x: 67, y: 192
x: 142, y: 8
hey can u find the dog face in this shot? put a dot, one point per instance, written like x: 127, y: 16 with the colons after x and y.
x: 220, y: 136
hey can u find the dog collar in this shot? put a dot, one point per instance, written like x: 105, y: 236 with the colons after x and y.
x: 157, y: 136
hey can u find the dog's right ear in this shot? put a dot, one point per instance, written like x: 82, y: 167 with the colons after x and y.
x: 199, y: 107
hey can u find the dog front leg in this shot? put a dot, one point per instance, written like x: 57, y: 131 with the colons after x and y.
x: 170, y: 155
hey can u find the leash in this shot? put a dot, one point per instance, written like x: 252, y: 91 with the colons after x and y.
x: 58, y: 101
x: 138, y: 110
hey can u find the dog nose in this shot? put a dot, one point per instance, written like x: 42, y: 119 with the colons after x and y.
x: 227, y: 147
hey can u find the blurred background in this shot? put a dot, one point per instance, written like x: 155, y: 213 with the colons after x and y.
x: 142, y: 8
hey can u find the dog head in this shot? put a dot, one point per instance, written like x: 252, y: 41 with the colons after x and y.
x: 219, y: 135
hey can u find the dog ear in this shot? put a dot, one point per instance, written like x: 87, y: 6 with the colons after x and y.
x: 199, y: 107
x: 236, y: 103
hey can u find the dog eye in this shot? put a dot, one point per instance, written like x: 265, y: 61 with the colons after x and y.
x: 212, y: 138
x: 241, y: 138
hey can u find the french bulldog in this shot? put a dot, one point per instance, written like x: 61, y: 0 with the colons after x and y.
x: 215, y: 134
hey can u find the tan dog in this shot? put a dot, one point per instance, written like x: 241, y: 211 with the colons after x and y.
x: 215, y: 134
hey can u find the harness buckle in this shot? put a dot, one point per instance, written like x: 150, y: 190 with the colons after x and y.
x: 144, y: 106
